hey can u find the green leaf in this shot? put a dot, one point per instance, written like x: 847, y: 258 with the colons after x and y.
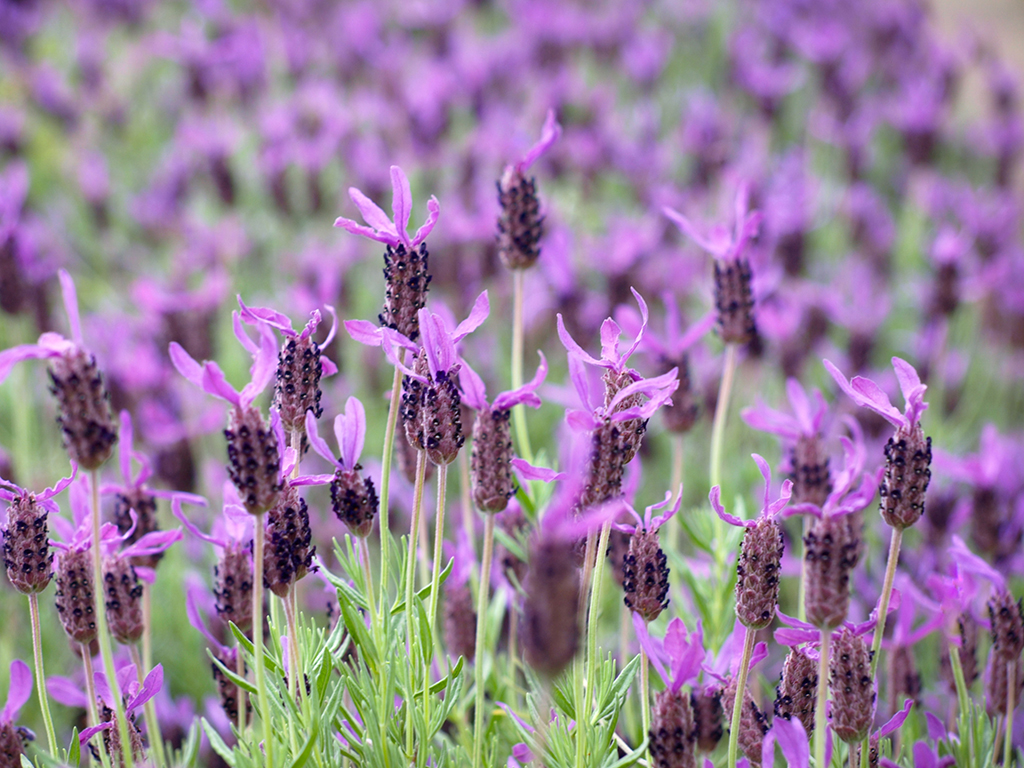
x: 632, y: 757
x: 303, y: 756
x: 190, y: 750
x: 241, y: 682
x: 440, y: 685
x: 563, y: 698
x: 217, y: 743
x: 426, y: 636
x: 424, y: 593
x: 75, y: 749
x: 246, y: 643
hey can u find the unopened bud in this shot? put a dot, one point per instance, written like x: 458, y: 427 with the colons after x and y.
x: 297, y: 388
x: 354, y: 500
x: 645, y: 575
x: 757, y: 573
x: 143, y: 504
x: 406, y: 283
x: 967, y: 629
x: 84, y: 415
x: 812, y: 482
x: 831, y: 551
x: 853, y: 694
x: 520, y: 225
x: 442, y: 418
x: 908, y: 457
x: 460, y: 621
x: 672, y: 737
x: 26, y: 546
x: 734, y: 300
x: 753, y: 722
x: 490, y: 462
x: 255, y: 465
x: 288, y: 550
x: 123, y: 599
x: 798, y: 689
x: 551, y: 607
x: 708, y: 716
x: 233, y: 588
x: 74, y: 595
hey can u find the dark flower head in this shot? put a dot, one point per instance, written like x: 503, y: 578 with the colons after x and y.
x: 26, y: 541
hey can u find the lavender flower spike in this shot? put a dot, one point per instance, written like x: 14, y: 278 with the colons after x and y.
x: 867, y: 394
x: 381, y: 228
x: 644, y: 567
x: 20, y: 689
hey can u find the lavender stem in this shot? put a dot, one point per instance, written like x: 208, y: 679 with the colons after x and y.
x: 257, y: 640
x: 721, y: 410
x: 37, y: 653
x: 481, y: 625
x: 820, y: 717
x: 741, y: 689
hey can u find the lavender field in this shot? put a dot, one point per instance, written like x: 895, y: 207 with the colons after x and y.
x: 567, y: 383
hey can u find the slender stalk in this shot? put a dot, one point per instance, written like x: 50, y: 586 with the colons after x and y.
x: 466, y: 501
x: 364, y: 550
x: 481, y: 639
x: 102, y: 632
x: 595, y: 610
x: 883, y: 602
x: 645, y: 694
x: 295, y: 687
x: 677, y: 478
x: 963, y: 698
x: 37, y: 654
x: 802, y: 595
x: 519, y: 411
x: 90, y: 693
x: 820, y: 718
x: 435, y: 576
x: 156, y: 740
x: 588, y: 570
x: 580, y: 730
x: 1011, y: 684
x: 513, y: 649
x: 410, y: 577
x: 385, y: 480
x: 741, y: 689
x: 624, y: 624
x: 257, y: 641
x: 147, y: 626
x: 421, y: 548
x: 240, y: 693
x: 721, y: 410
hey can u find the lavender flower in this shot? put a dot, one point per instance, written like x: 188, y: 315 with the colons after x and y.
x: 520, y: 225
x: 757, y: 569
x: 226, y: 655
x: 135, y: 695
x: 796, y: 693
x: 405, y: 261
x: 908, y: 453
x: 645, y: 567
x: 853, y: 693
x: 19, y: 690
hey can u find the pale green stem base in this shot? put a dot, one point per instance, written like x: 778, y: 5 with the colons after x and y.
x: 741, y: 688
x: 37, y: 654
x: 519, y: 411
x: 147, y: 627
x: 435, y: 577
x: 240, y: 693
x: 595, y: 612
x: 102, y: 632
x: 820, y: 717
x: 645, y: 694
x: 963, y: 697
x: 156, y: 740
x: 481, y: 639
x: 385, y: 480
x: 410, y: 577
x: 257, y: 640
x: 721, y: 410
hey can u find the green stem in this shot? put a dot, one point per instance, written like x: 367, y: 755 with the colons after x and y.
x: 645, y: 694
x: 883, y: 603
x: 90, y: 693
x: 257, y: 641
x: 37, y: 654
x: 519, y: 411
x: 156, y: 740
x: 677, y: 478
x: 410, y: 580
x: 240, y: 692
x: 435, y: 578
x: 1011, y: 684
x: 802, y: 597
x: 624, y: 622
x: 721, y: 410
x: 513, y: 649
x: 741, y: 689
x: 102, y: 632
x: 481, y: 639
x: 595, y: 610
x: 364, y: 551
x: 385, y: 480
x: 963, y: 697
x: 296, y: 678
x: 820, y: 718
x: 147, y: 627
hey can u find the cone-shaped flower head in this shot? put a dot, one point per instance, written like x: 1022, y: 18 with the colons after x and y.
x: 520, y: 224
x: 851, y: 686
x: 12, y: 740
x: 490, y: 465
x: 353, y: 496
x: 26, y: 538
x: 796, y: 694
x: 908, y: 454
x: 734, y: 296
x: 254, y: 461
x: 759, y: 563
x: 645, y: 567
x: 405, y: 262
x: 85, y: 419
x: 300, y: 365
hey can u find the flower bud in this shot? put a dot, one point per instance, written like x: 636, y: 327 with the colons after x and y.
x: 233, y: 588
x: 798, y: 689
x: 123, y: 592
x: 908, y: 456
x: 645, y: 575
x: 812, y: 482
x: 144, y: 505
x: 442, y: 418
x: 26, y: 546
x: 904, y: 678
x: 74, y: 595
x: 520, y: 225
x: 551, y: 607
x: 853, y: 693
x: 605, y: 467
x: 831, y: 551
x: 630, y: 432
x: 287, y: 551
x: 708, y: 716
x: 84, y: 416
x: 459, y: 621
x: 753, y: 722
x: 406, y: 283
x: 255, y: 466
x: 411, y: 407
x: 757, y: 573
x: 490, y: 461
x: 1007, y: 622
x: 112, y: 739
x: 967, y: 628
x: 996, y: 688
x: 618, y: 548
x: 734, y: 300
x: 12, y: 745
x: 297, y: 388
x: 673, y: 734
x: 354, y: 500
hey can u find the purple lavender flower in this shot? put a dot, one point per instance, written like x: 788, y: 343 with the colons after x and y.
x: 908, y: 453
x: 26, y: 545
x: 645, y: 567
x: 135, y: 695
x: 12, y: 740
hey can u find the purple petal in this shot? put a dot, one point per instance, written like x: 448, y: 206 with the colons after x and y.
x: 686, y: 654
x: 924, y: 757
x: 196, y: 619
x: 474, y: 393
x: 88, y: 733
x: 528, y: 471
x: 19, y: 691
x: 644, y: 316
x: 573, y: 348
x: 318, y: 443
x: 659, y: 520
x: 185, y: 364
x: 509, y: 711
x: 967, y: 561
x: 715, y: 498
x: 304, y: 480
x: 153, y: 543
x: 215, y: 383
x: 264, y: 366
x: 655, y: 651
x: 936, y: 729
x: 372, y: 213
x: 801, y: 406
x: 67, y: 289
x: 401, y: 203
x: 150, y: 687
x: 713, y: 246
x: 382, y: 236
x: 437, y: 342
x: 867, y: 394
x: 896, y: 721
x: 10, y: 357
x: 907, y: 377
x: 548, y: 136
x: 660, y: 387
x: 65, y: 691
x: 580, y: 378
x: 247, y: 343
x: 765, y: 419
x: 794, y: 637
x: 759, y: 654
x: 785, y: 493
x: 61, y: 484
x: 364, y: 332
x: 180, y: 514
x: 526, y: 393
x: 350, y: 430
x: 695, y: 332
x: 581, y: 421
x: 481, y: 309
x: 792, y: 740
x: 610, y: 333
x: 266, y: 315
x: 433, y: 211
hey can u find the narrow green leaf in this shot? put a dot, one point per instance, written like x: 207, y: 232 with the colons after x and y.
x: 246, y: 643
x: 190, y: 750
x: 217, y: 743
x: 75, y: 749
x: 241, y: 682
x: 303, y: 756
x: 424, y: 593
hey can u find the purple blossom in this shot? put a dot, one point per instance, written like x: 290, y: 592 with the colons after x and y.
x: 650, y: 521
x: 18, y: 691
x: 381, y: 228
x: 806, y: 420
x: 924, y: 757
x: 350, y: 431
x: 679, y: 658
x: 474, y: 394
x: 791, y: 737
x: 719, y: 242
x: 611, y: 357
x: 770, y: 508
x: 273, y: 318
x: 674, y: 342
x: 9, y: 491
x: 134, y: 694
x: 867, y: 394
x: 549, y: 134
